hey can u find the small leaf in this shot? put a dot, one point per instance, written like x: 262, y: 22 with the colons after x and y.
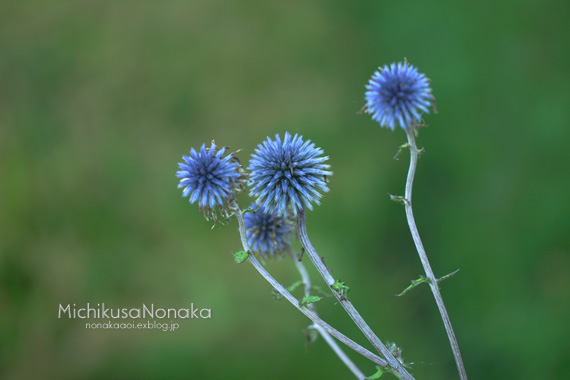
x: 311, y: 336
x: 294, y: 286
x: 403, y: 146
x: 342, y: 289
x: 399, y: 199
x: 447, y: 276
x: 414, y: 283
x: 377, y: 375
x: 249, y: 209
x: 241, y: 256
x: 278, y: 296
x: 310, y: 299
x: 421, y: 151
x: 397, y: 352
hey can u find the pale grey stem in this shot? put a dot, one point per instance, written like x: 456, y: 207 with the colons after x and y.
x: 289, y: 297
x: 423, y: 257
x: 330, y: 341
x: 396, y: 366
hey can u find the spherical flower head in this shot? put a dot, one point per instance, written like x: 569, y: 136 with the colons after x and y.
x: 397, y: 94
x: 210, y: 179
x: 267, y: 234
x: 288, y: 175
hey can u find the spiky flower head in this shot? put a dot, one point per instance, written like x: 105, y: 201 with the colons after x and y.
x: 210, y: 179
x: 288, y: 175
x: 397, y: 94
x: 268, y: 234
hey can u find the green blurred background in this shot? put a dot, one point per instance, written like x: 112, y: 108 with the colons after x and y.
x: 99, y: 100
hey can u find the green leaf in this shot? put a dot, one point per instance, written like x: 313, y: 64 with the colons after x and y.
x: 414, y: 283
x: 241, y: 256
x: 310, y: 299
x: 294, y: 286
x: 377, y: 375
x: 398, y: 199
x: 340, y: 287
x: 447, y: 276
x: 403, y: 146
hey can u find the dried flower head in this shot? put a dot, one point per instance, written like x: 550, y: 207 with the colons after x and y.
x: 396, y: 96
x: 210, y: 179
x: 288, y: 175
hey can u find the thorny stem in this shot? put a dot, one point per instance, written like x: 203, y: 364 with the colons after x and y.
x: 396, y: 366
x: 335, y: 347
x: 423, y: 257
x: 289, y: 297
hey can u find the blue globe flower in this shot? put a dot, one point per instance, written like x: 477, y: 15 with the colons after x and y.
x: 288, y: 174
x: 267, y: 234
x: 209, y: 178
x: 397, y: 94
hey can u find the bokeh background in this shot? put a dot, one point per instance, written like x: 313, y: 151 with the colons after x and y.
x: 99, y: 100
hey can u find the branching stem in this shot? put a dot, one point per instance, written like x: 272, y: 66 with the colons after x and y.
x: 433, y: 282
x: 289, y: 297
x: 326, y: 336
x: 396, y: 366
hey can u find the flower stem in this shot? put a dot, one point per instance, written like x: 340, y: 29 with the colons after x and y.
x: 396, y: 366
x: 330, y: 341
x: 289, y: 297
x: 423, y: 257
